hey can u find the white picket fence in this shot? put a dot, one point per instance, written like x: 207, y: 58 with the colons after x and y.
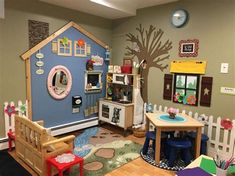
x: 220, y: 141
x: 21, y: 108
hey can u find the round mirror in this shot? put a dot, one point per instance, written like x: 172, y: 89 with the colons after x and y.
x: 59, y: 82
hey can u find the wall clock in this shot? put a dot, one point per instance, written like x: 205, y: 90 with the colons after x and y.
x: 179, y: 18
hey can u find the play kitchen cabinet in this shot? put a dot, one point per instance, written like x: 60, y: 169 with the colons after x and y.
x: 117, y: 107
x: 119, y: 87
x: 116, y: 113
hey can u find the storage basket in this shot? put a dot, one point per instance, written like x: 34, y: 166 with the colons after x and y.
x: 138, y: 132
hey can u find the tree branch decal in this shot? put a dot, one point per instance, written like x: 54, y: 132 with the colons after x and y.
x: 151, y: 49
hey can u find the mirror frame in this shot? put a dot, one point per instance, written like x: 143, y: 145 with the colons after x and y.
x: 50, y: 78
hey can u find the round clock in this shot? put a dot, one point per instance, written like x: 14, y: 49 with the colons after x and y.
x: 179, y: 18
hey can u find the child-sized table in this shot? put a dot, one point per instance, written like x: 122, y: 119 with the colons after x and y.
x: 64, y: 166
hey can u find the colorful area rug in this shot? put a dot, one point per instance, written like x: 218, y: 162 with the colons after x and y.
x: 103, y: 151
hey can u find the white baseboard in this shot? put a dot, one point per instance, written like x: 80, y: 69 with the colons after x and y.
x: 66, y: 128
x: 3, y: 143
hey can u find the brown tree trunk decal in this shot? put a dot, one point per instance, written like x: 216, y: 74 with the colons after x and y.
x: 144, y: 91
x: 150, y: 48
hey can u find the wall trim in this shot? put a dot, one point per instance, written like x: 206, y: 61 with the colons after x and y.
x: 3, y: 143
x: 74, y: 126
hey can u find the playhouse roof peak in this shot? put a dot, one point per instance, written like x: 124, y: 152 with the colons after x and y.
x: 34, y: 49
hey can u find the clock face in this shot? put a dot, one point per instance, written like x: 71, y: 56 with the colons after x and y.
x: 179, y: 18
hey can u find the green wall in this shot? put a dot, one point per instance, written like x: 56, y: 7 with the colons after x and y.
x: 14, y: 40
x: 213, y: 23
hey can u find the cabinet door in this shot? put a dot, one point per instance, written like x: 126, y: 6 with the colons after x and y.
x: 104, y: 112
x: 118, y: 115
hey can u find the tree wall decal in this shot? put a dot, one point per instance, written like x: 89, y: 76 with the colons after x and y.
x: 150, y: 48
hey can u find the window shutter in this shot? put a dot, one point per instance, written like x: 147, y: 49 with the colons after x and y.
x: 167, y: 91
x: 206, y: 90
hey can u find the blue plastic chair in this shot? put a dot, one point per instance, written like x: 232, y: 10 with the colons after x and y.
x: 204, y: 139
x: 176, y: 145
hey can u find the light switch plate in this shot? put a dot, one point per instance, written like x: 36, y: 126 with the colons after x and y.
x: 224, y: 68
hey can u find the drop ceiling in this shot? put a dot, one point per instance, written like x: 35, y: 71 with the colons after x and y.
x: 111, y: 9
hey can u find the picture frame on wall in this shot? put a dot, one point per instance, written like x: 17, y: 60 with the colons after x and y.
x: 127, y: 61
x: 188, y: 48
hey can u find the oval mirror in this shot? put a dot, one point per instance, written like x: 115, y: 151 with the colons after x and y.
x: 59, y: 82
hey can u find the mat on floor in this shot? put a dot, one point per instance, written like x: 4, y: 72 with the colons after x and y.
x: 104, y: 151
x: 10, y: 167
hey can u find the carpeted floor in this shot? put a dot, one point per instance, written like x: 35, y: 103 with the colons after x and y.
x: 10, y: 167
x: 103, y: 151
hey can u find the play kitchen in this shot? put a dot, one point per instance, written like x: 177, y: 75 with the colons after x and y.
x: 119, y: 87
x: 117, y: 108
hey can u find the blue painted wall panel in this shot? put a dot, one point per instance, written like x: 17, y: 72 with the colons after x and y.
x: 58, y: 112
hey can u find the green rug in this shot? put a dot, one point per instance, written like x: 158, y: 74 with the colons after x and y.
x: 105, y: 157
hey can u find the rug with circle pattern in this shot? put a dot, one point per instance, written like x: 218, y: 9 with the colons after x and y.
x: 103, y: 151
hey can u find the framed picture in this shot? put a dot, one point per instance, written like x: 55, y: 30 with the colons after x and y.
x: 188, y: 48
x: 127, y: 61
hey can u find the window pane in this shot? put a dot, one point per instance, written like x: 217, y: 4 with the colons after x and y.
x: 180, y: 81
x: 192, y: 82
x: 190, y: 97
x: 179, y: 91
x: 179, y: 95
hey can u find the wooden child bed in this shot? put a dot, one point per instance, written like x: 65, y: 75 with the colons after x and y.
x: 34, y: 145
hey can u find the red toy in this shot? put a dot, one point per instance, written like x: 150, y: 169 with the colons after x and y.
x: 11, y: 137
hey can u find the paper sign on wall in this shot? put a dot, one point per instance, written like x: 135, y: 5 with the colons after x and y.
x: 188, y: 66
x: 227, y: 90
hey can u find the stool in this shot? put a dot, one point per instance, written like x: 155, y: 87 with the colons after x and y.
x: 204, y: 139
x: 63, y: 166
x: 11, y: 137
x: 175, y: 145
x: 151, y: 135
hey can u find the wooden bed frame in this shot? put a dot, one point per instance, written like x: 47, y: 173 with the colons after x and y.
x: 34, y: 145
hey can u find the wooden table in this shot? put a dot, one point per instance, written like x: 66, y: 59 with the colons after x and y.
x: 161, y: 125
